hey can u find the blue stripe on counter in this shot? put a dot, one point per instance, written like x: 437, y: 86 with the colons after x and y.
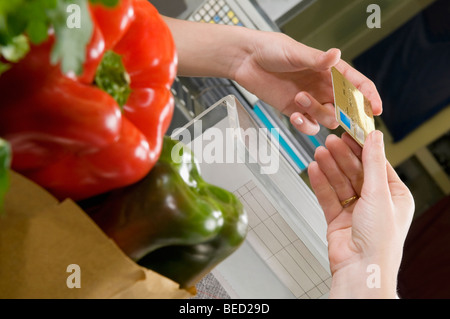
x: 283, y: 143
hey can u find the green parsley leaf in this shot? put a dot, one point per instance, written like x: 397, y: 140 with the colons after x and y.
x: 16, y: 49
x: 8, y: 9
x: 73, y: 30
x: 70, y: 20
x: 37, y: 31
x: 4, y: 67
x: 108, y: 3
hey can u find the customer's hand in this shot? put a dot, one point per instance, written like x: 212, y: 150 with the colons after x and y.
x: 277, y: 69
x: 296, y: 79
x: 365, y: 237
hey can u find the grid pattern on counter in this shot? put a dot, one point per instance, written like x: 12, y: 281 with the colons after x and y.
x: 278, y: 245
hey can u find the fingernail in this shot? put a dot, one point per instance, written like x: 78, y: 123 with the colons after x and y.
x: 303, y: 100
x: 326, y: 53
x: 298, y: 121
x: 378, y: 137
x: 323, y: 56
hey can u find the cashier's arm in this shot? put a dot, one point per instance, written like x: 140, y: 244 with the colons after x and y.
x: 286, y: 74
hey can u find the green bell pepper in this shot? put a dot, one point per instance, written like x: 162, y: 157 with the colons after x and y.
x: 173, y: 221
x: 5, y: 162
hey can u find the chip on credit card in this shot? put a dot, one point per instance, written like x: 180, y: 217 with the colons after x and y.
x: 353, y: 109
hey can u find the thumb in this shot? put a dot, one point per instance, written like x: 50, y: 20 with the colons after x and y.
x: 374, y: 164
x: 315, y: 59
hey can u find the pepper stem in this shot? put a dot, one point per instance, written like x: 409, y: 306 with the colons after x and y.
x: 112, y: 78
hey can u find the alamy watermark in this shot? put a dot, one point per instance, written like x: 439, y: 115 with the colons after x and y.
x: 374, y: 19
x: 74, y: 279
x: 74, y: 16
x: 73, y: 20
x: 374, y: 278
x: 230, y: 146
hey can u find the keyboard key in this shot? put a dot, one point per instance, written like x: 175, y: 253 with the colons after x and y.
x: 202, y: 12
x: 216, y: 7
x: 211, y: 12
x: 207, y: 7
x: 197, y: 17
x: 207, y: 18
x: 230, y: 14
x: 216, y: 18
x: 212, y: 2
x: 221, y: 3
x: 235, y: 20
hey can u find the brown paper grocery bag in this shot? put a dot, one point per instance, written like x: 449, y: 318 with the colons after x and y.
x: 54, y: 250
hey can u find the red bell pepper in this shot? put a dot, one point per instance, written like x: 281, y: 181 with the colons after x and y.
x: 69, y: 135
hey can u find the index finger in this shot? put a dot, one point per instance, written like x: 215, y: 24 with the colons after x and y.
x: 362, y: 83
x: 347, y: 161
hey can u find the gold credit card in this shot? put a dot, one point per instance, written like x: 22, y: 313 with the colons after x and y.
x: 353, y: 109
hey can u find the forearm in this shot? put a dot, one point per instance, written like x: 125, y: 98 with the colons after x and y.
x: 209, y: 50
